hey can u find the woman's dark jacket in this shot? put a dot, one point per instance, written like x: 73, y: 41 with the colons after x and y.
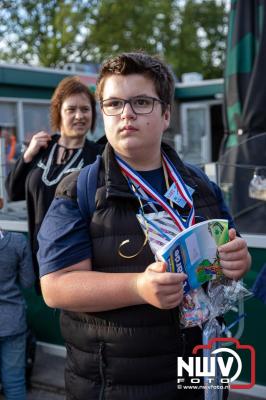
x: 24, y: 183
x: 128, y: 353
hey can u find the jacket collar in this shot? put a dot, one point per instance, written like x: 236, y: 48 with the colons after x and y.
x: 116, y: 183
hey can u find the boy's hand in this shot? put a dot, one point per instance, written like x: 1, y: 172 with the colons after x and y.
x: 235, y: 259
x: 159, y: 288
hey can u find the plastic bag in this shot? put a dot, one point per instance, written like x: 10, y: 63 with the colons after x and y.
x: 195, y: 308
x: 211, y: 330
x: 257, y: 187
x: 222, y: 295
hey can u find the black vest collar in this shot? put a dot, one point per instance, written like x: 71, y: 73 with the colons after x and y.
x: 116, y: 184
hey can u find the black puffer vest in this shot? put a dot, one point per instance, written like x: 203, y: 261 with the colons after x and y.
x: 128, y: 353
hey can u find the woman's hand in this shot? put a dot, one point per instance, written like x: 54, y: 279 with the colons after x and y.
x: 38, y: 141
x: 159, y: 288
x: 235, y: 259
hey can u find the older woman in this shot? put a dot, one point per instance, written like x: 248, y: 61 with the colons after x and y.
x: 48, y: 159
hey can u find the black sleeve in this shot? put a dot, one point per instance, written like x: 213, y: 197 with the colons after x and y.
x: 15, y: 181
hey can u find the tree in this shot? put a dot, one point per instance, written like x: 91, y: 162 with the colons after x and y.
x: 126, y: 25
x: 202, y: 38
x: 212, y: 19
x: 188, y: 50
x: 45, y: 32
x: 190, y: 35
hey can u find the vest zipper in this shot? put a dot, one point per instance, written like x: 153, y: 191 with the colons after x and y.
x: 183, y: 340
x: 101, y: 369
x: 180, y: 335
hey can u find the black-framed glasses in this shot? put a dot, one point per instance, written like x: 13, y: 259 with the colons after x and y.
x: 139, y: 105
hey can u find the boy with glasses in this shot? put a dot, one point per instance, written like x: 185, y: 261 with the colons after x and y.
x: 120, y: 307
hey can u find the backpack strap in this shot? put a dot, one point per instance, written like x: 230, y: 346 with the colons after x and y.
x: 86, y: 189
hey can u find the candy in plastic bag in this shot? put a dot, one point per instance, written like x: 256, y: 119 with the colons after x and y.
x: 224, y: 295
x: 195, y: 308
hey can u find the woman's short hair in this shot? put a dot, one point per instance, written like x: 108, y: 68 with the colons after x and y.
x: 68, y: 87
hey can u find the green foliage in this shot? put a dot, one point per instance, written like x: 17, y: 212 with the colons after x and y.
x: 190, y: 35
x: 188, y: 49
x: 202, y: 38
x: 127, y: 25
x: 213, y: 21
x: 46, y: 32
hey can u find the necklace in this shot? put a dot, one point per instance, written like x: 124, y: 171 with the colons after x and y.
x: 67, y: 152
x: 66, y: 169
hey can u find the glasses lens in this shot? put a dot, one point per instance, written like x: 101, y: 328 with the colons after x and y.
x: 142, y: 105
x: 112, y: 106
x: 139, y: 105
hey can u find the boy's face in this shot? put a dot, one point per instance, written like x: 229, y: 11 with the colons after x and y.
x: 130, y: 134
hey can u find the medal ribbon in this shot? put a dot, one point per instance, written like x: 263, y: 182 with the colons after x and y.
x: 181, y: 188
x: 137, y: 180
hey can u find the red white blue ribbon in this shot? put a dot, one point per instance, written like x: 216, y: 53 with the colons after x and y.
x: 138, y: 180
x: 181, y: 188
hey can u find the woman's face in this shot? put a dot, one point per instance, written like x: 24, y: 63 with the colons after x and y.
x: 76, y: 116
